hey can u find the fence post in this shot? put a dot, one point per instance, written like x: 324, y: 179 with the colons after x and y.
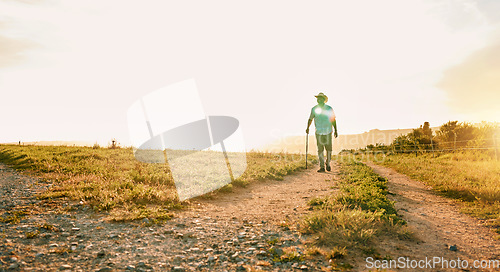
x: 432, y: 147
x: 455, y: 141
x: 496, y: 147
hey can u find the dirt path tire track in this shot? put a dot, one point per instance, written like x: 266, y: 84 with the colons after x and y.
x: 437, y: 223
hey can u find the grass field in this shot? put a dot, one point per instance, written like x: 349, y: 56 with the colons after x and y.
x: 472, y: 178
x: 353, y: 221
x: 114, y: 182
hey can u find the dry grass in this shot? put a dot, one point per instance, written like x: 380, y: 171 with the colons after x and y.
x: 113, y: 181
x: 354, y: 220
x: 473, y: 178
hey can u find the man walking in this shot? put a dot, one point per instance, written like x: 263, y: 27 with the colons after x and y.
x: 324, y: 119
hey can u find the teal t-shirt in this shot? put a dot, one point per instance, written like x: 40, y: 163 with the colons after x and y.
x: 323, y: 118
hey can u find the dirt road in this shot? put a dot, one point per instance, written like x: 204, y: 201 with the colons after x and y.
x: 443, y: 231
x: 228, y: 232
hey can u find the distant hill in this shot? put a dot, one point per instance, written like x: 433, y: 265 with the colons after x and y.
x: 296, y: 144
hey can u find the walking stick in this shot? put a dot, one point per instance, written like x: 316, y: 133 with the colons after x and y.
x: 307, y: 146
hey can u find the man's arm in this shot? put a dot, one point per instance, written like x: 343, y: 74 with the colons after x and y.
x: 308, y: 124
x: 334, y: 123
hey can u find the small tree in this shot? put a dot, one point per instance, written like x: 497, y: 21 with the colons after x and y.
x: 486, y: 135
x: 454, y: 134
x: 426, y: 130
x: 419, y: 138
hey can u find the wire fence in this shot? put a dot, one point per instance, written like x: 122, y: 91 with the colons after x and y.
x: 475, y: 144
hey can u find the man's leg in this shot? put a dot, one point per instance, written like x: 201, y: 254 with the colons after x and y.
x: 328, y: 159
x: 321, y: 157
x: 321, y: 146
x: 328, y: 147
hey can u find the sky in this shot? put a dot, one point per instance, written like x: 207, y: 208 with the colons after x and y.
x: 70, y: 70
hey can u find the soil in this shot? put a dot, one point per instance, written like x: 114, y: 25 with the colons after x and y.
x: 235, y: 231
x: 232, y: 231
x: 438, y: 225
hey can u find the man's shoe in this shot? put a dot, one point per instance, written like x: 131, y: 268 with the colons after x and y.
x: 321, y: 170
x: 328, y: 168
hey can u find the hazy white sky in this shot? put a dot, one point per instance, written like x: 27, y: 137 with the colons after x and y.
x: 69, y: 70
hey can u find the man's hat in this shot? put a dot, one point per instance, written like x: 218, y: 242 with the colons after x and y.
x: 322, y: 95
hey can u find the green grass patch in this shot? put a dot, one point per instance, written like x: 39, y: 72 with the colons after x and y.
x: 14, y: 216
x: 471, y: 177
x: 32, y: 234
x: 114, y: 182
x: 352, y: 221
x: 290, y: 254
x: 48, y: 227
